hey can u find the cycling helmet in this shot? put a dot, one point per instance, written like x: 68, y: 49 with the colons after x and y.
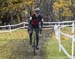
x: 37, y: 9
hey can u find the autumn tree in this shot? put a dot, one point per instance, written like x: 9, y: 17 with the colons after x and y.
x: 64, y: 9
x: 15, y: 8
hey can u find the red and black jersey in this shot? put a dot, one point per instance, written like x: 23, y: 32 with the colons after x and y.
x: 34, y: 22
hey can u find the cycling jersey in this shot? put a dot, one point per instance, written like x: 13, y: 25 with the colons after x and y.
x: 34, y: 21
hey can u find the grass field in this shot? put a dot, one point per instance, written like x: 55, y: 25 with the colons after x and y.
x: 15, y: 45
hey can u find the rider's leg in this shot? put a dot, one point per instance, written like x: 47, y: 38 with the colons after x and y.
x: 37, y: 38
x: 30, y: 36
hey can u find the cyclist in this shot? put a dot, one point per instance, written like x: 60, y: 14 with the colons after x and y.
x: 35, y: 22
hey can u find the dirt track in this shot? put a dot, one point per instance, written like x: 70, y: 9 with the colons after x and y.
x: 20, y: 49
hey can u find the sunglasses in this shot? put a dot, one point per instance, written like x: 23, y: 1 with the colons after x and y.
x: 37, y: 12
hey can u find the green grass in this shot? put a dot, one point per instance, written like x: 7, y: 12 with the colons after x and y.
x: 16, y: 35
x: 9, y: 42
x: 52, y: 48
x: 15, y: 44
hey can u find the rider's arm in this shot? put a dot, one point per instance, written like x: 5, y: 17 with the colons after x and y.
x: 29, y: 23
x: 42, y: 22
x: 41, y: 25
x: 30, y: 19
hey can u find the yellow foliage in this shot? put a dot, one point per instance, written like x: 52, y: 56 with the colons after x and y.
x: 19, y: 5
x: 63, y: 4
x: 73, y: 4
x: 66, y: 12
x: 58, y: 5
x: 64, y: 38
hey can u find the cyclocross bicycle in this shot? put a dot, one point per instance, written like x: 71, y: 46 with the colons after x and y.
x: 34, y: 40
